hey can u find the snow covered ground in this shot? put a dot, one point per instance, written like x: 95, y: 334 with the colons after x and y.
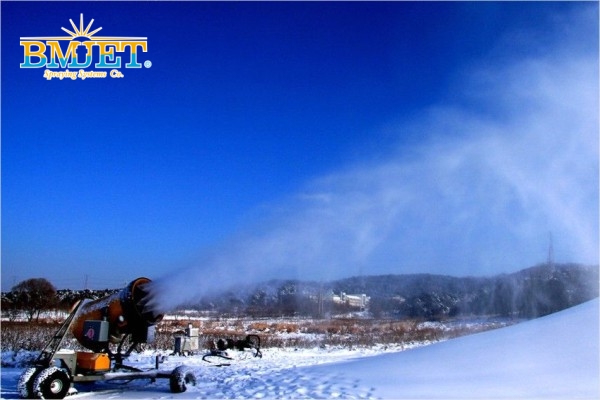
x: 556, y: 357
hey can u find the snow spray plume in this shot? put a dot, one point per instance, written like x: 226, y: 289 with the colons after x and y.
x: 511, y: 159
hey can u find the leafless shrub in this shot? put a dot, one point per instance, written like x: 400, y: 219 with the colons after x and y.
x: 25, y: 335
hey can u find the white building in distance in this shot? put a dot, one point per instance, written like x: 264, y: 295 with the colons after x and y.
x: 353, y: 300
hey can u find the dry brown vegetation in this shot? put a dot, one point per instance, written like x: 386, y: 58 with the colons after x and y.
x: 308, y: 333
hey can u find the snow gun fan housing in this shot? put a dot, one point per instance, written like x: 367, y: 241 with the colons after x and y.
x: 108, y: 320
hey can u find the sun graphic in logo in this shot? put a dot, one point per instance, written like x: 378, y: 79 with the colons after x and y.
x: 80, y: 32
x: 83, y: 33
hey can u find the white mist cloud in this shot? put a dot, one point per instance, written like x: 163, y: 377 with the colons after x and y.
x: 514, y: 159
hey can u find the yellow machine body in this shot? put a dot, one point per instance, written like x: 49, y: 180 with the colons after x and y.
x: 92, y: 362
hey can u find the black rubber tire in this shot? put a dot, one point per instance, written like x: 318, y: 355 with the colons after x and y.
x: 25, y: 385
x: 181, y: 378
x: 51, y: 383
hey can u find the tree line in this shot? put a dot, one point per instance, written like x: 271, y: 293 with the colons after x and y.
x: 32, y: 297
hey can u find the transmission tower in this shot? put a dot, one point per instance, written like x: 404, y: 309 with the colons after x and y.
x: 551, y: 253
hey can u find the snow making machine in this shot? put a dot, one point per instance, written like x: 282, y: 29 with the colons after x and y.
x: 119, y: 321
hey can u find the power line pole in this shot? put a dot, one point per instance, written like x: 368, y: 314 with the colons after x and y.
x: 551, y: 253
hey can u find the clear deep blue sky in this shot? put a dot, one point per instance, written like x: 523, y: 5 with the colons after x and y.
x: 245, y: 107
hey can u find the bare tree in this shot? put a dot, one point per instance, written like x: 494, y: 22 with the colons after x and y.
x: 35, y: 295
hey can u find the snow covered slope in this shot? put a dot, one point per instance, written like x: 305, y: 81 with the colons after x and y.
x: 554, y: 357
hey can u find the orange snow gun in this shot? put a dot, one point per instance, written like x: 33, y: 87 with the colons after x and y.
x: 111, y: 319
x: 100, y: 325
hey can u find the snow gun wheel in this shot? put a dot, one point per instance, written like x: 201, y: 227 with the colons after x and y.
x: 181, y: 378
x: 25, y: 385
x: 51, y: 383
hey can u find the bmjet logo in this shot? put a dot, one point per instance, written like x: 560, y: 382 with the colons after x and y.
x: 76, y: 53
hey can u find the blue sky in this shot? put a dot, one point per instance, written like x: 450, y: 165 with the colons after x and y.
x: 313, y: 140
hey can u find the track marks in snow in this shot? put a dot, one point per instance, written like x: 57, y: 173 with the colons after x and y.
x: 284, y: 383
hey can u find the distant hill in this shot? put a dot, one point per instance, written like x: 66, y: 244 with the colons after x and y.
x: 529, y: 293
